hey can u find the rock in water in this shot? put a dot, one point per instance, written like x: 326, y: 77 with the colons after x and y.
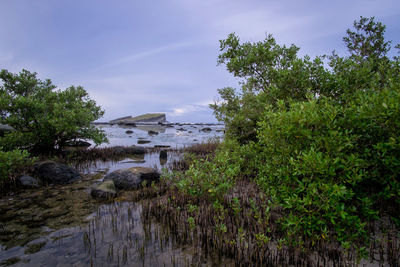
x: 106, y: 189
x: 132, y: 178
x: 141, y: 142
x: 55, y: 173
x: 163, y: 157
x: 151, y: 118
x: 27, y: 181
x: 163, y: 154
x: 206, y: 129
x: 152, y: 133
x: 129, y: 132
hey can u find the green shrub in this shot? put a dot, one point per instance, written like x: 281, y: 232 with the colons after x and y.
x: 213, y: 176
x: 11, y: 164
x: 45, y: 119
x: 320, y: 137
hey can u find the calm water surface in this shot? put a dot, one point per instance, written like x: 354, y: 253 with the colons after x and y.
x: 65, y: 226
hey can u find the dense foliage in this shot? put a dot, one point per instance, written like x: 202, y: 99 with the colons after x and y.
x: 319, y: 137
x: 45, y: 119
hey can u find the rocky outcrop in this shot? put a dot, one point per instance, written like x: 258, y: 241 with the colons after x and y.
x: 149, y: 118
x: 118, y: 120
x: 132, y: 178
x: 26, y: 181
x: 51, y: 172
x: 105, y: 189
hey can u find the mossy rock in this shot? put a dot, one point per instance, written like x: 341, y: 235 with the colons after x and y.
x: 106, y: 189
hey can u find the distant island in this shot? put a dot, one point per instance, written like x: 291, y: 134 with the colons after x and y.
x: 148, y: 118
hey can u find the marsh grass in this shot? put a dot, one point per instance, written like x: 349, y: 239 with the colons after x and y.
x: 244, y: 226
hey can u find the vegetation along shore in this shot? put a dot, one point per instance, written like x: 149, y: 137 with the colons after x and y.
x: 307, y: 173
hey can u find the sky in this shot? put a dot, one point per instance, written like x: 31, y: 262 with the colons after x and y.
x: 136, y: 57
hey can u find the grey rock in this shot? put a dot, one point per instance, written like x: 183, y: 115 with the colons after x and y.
x: 129, y: 132
x: 140, y: 142
x: 152, y: 132
x: 55, y: 173
x: 163, y: 154
x: 6, y: 128
x: 163, y: 157
x: 206, y: 129
x: 27, y: 181
x: 105, y: 189
x: 152, y: 118
x: 132, y: 178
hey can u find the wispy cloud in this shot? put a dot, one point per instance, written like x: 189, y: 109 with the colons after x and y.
x: 135, y: 56
x: 148, y: 53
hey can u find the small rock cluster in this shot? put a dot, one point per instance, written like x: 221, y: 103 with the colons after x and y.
x: 49, y: 172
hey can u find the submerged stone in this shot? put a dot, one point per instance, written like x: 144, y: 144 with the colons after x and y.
x: 27, y: 181
x: 35, y: 247
x: 106, y: 189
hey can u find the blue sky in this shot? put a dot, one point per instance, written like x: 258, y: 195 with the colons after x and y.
x: 136, y: 57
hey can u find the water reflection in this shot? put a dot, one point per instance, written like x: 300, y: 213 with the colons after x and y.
x: 65, y: 226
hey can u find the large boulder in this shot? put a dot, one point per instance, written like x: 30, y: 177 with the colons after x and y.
x: 105, y: 189
x: 55, y: 173
x: 132, y: 178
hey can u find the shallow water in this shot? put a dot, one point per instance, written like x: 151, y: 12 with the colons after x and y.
x: 65, y: 226
x: 176, y: 136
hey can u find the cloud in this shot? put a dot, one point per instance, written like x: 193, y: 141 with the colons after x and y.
x: 148, y: 53
x: 187, y: 109
x: 135, y: 57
